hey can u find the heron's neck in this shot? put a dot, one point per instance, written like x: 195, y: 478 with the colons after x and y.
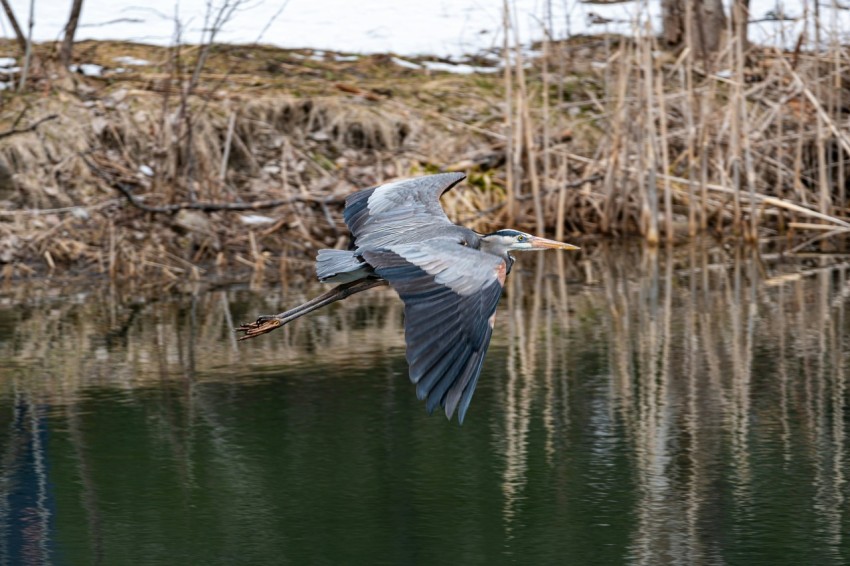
x: 492, y: 245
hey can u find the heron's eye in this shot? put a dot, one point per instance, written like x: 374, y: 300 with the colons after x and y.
x: 521, y: 238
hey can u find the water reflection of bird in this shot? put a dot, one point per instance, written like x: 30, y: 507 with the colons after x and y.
x: 449, y: 277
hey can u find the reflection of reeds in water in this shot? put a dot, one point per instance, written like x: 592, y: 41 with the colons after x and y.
x: 707, y: 365
x: 683, y: 333
x: 538, y: 322
x: 706, y: 383
x: 25, y: 522
x: 522, y: 360
x: 81, y: 342
x: 743, y: 313
x: 168, y: 348
x: 830, y: 405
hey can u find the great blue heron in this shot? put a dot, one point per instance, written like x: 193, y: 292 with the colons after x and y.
x: 449, y: 277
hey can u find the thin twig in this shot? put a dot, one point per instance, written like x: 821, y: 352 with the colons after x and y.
x: 31, y: 128
x: 28, y: 52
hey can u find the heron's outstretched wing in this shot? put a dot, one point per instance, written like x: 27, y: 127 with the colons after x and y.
x: 450, y: 293
x: 396, y: 212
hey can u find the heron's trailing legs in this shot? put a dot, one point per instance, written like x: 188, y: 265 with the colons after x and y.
x: 266, y: 324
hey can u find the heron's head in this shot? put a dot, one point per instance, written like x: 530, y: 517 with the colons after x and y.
x: 503, y: 241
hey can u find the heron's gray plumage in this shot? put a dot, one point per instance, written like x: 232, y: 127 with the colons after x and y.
x: 402, y: 212
x: 450, y: 289
x: 449, y: 278
x: 450, y: 293
x: 341, y: 266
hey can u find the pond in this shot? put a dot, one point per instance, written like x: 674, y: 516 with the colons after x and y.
x: 637, y: 406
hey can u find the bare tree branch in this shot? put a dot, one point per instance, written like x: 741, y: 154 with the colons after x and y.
x: 10, y: 15
x: 70, y: 31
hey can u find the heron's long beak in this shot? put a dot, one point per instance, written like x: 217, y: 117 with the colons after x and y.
x: 543, y: 243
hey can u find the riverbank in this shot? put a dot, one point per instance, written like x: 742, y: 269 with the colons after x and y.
x: 147, y: 163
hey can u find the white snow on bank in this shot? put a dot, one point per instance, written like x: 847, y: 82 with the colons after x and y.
x: 88, y: 69
x: 133, y: 61
x: 405, y: 63
x: 459, y: 69
x: 438, y: 27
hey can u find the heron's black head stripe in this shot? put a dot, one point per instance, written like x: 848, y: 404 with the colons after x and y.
x: 507, y: 232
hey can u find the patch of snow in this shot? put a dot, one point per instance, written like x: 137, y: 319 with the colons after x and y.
x: 346, y: 58
x: 146, y: 170
x: 405, y: 63
x: 461, y: 68
x: 10, y: 70
x: 8, y: 61
x: 80, y: 213
x: 5, y: 86
x: 256, y: 219
x: 88, y: 69
x: 128, y: 60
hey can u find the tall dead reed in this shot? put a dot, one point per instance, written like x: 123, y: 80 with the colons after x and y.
x: 743, y: 143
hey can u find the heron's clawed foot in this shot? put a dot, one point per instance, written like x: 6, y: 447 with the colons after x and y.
x: 262, y: 325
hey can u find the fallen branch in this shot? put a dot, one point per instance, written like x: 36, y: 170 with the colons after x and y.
x: 127, y: 191
x: 31, y: 128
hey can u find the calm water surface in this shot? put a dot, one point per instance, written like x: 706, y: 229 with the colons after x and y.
x: 636, y: 407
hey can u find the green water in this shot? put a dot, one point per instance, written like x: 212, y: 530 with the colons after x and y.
x: 636, y: 407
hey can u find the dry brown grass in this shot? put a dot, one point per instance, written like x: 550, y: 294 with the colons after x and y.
x: 668, y: 147
x: 227, y: 145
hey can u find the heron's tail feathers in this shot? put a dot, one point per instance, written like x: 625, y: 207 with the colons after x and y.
x: 341, y: 266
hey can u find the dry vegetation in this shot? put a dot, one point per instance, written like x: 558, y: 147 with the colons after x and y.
x: 149, y: 171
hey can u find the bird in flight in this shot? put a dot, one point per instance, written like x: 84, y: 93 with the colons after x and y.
x: 449, y: 277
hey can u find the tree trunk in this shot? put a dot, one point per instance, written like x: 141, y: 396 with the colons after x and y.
x: 70, y: 31
x: 19, y: 35
x: 708, y: 25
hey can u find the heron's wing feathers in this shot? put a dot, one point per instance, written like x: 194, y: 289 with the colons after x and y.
x: 450, y: 293
x: 386, y: 214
